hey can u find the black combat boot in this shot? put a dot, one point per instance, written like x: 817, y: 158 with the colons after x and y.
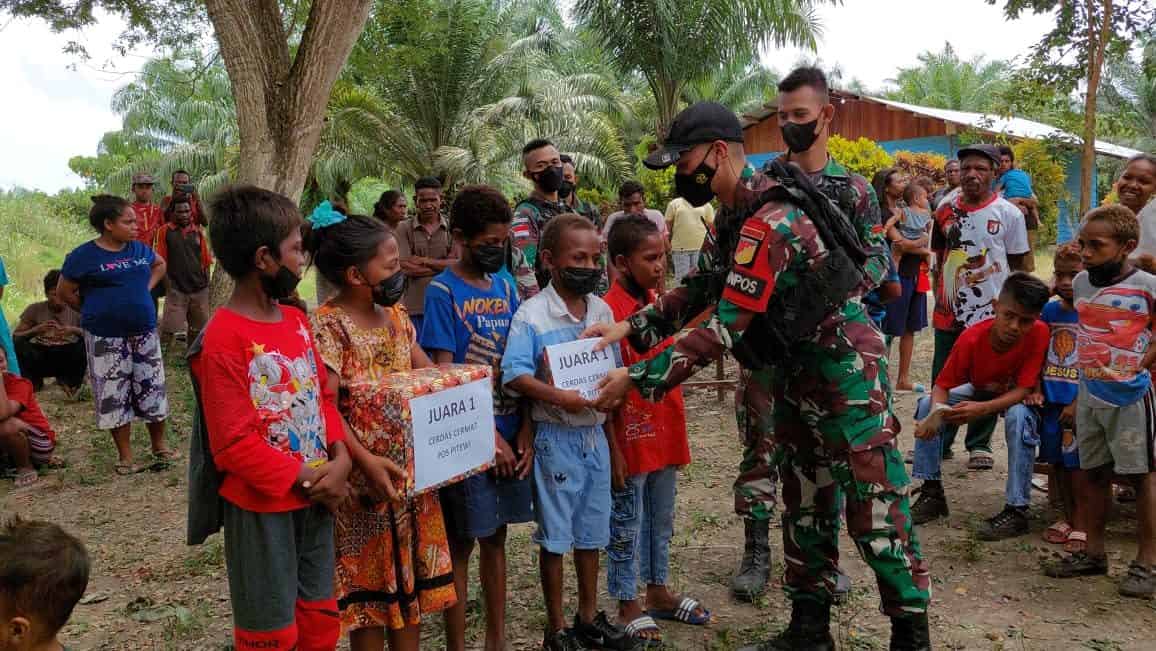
x: 755, y: 570
x: 810, y: 630
x: 910, y: 633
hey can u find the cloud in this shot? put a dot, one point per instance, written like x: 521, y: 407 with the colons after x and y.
x: 56, y: 105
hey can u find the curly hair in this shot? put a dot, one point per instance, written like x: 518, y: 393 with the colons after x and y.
x: 1120, y: 218
x: 1069, y: 252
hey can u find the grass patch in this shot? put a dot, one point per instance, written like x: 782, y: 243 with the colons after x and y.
x: 36, y: 232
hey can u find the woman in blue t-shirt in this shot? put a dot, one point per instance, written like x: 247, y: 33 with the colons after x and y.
x: 108, y: 280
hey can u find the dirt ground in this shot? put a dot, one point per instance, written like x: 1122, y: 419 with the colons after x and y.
x: 150, y: 591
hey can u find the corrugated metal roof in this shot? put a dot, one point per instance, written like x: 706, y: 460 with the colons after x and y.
x: 1015, y: 127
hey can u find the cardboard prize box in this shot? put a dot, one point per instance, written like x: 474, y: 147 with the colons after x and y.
x: 445, y: 415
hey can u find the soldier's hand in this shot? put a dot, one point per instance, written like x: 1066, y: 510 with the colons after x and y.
x: 611, y: 333
x: 612, y: 389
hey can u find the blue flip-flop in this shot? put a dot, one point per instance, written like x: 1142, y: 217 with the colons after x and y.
x: 684, y: 613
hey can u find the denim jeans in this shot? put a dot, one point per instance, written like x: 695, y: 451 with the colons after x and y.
x: 1022, y: 429
x: 929, y: 452
x: 684, y: 263
x: 641, y: 524
x: 979, y: 432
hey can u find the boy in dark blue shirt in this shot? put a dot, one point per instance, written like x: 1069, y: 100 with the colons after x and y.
x: 468, y: 309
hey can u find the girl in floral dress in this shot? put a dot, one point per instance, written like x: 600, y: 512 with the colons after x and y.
x: 393, y: 559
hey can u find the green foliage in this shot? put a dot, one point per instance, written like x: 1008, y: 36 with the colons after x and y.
x: 672, y: 43
x: 922, y: 164
x: 943, y: 80
x: 38, y: 231
x: 659, y: 184
x: 1048, y: 182
x: 605, y: 199
x: 862, y: 156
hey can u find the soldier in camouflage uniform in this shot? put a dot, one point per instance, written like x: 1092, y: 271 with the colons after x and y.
x: 805, y: 113
x: 542, y: 165
x: 826, y: 369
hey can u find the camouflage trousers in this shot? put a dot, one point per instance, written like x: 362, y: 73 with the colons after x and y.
x: 834, y: 434
x: 756, y: 487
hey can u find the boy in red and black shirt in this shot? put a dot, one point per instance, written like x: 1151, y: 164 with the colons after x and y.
x: 994, y: 365
x: 652, y: 445
x: 268, y: 459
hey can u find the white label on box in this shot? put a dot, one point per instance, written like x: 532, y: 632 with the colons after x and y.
x: 576, y: 367
x: 453, y: 433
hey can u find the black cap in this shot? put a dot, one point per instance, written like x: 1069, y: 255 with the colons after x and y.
x: 987, y: 151
x: 698, y: 123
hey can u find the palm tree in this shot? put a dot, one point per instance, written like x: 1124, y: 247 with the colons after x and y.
x: 673, y: 43
x: 742, y: 87
x: 943, y: 80
x: 1128, y: 97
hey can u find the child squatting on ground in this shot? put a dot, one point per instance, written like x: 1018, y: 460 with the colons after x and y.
x: 468, y: 310
x: 652, y: 445
x: 393, y: 559
x: 1114, y: 410
x: 268, y: 459
x: 994, y: 365
x: 43, y: 573
x: 572, y: 442
x: 26, y: 437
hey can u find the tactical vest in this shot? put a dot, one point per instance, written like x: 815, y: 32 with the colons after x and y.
x: 795, y: 313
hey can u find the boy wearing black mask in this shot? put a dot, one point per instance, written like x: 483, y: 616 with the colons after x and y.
x: 468, y: 309
x: 542, y: 166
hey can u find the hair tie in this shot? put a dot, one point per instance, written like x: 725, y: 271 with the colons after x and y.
x: 324, y: 215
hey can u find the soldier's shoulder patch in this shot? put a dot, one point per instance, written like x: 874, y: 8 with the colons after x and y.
x: 751, y: 237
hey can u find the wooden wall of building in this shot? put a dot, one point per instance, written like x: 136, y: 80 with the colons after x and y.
x: 853, y: 119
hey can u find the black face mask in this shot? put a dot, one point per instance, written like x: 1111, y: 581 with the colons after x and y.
x: 565, y: 190
x: 695, y: 187
x: 281, y: 284
x: 579, y: 280
x: 800, y: 137
x: 1105, y: 274
x: 489, y: 258
x: 549, y: 180
x: 389, y: 291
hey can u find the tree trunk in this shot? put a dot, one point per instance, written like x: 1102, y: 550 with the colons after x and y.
x: 1097, y: 43
x: 280, y: 99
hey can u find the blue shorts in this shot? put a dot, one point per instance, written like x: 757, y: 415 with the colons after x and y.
x: 571, y: 487
x: 908, y: 313
x: 480, y: 505
x: 1053, y: 448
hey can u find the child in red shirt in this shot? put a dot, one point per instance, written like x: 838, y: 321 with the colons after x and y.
x: 994, y: 365
x: 652, y: 444
x: 26, y: 437
x: 268, y: 433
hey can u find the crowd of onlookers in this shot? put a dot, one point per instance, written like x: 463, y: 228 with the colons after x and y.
x: 289, y: 401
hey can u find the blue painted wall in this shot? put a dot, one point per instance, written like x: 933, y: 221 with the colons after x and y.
x: 948, y: 146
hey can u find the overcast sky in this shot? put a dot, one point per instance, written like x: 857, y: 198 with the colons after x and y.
x: 51, y: 112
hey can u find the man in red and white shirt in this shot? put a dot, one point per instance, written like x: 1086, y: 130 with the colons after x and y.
x: 149, y: 216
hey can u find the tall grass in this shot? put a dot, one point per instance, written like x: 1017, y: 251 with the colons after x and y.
x: 36, y: 232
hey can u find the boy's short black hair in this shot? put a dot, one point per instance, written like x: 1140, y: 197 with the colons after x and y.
x: 51, y: 279
x: 427, y: 183
x: 43, y: 573
x: 478, y: 206
x: 245, y: 218
x: 552, y: 234
x: 627, y: 233
x: 806, y: 76
x: 351, y: 243
x: 105, y: 208
x: 631, y: 188
x: 1026, y: 290
x: 1119, y: 218
x: 1004, y: 150
x: 535, y: 144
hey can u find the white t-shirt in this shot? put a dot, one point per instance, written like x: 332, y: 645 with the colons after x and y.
x: 973, y: 243
x: 1147, y: 218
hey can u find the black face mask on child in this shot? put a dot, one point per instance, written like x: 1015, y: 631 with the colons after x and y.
x: 389, y: 291
x: 488, y: 257
x: 1105, y: 274
x: 579, y: 280
x: 280, y: 285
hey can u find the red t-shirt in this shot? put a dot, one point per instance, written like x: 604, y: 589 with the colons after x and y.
x: 973, y: 361
x: 262, y: 388
x: 21, y: 390
x: 651, y: 435
x: 149, y: 218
